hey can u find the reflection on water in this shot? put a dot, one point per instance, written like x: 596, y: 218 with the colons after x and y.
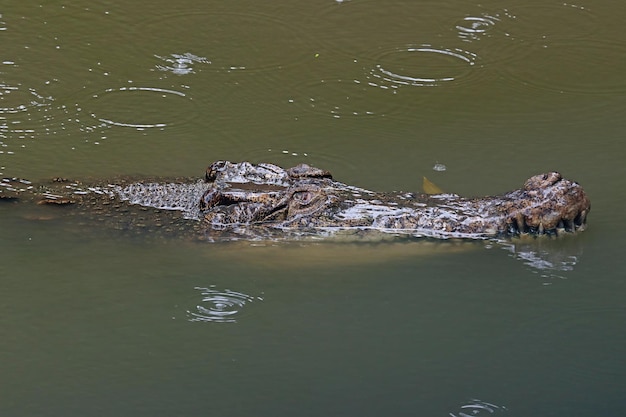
x: 219, y: 306
x: 549, y: 257
x: 477, y: 407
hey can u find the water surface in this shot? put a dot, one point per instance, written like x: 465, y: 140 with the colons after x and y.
x: 99, y: 322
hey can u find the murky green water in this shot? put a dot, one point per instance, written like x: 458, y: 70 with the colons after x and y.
x: 95, y: 322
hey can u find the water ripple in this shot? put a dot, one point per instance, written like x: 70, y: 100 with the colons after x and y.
x: 219, y: 306
x: 140, y: 107
x: 264, y: 42
x: 181, y: 64
x: 22, y: 111
x: 16, y: 99
x: 422, y: 66
x: 474, y: 28
x: 477, y: 407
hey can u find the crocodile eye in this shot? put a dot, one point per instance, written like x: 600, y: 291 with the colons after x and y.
x: 303, y: 197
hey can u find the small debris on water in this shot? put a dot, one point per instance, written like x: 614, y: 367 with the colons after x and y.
x: 439, y: 167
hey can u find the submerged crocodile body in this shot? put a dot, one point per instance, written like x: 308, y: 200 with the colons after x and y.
x: 252, y: 201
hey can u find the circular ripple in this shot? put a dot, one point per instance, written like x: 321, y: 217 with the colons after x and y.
x: 17, y: 99
x: 477, y: 407
x: 421, y: 66
x: 23, y: 111
x: 180, y: 64
x: 360, y: 28
x: 219, y: 306
x: 474, y: 28
x: 140, y: 107
x: 263, y: 42
x: 593, y: 67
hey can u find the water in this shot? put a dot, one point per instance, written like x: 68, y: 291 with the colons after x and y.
x: 99, y: 322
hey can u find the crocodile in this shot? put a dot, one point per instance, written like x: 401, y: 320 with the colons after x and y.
x: 264, y: 201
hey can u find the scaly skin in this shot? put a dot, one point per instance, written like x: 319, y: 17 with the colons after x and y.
x: 306, y: 198
x: 265, y: 201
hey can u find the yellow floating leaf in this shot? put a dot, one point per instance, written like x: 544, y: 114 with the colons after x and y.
x: 430, y: 188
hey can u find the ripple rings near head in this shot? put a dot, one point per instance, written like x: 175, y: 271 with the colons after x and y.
x: 219, y: 306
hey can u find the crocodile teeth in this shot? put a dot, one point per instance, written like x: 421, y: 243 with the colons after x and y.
x: 521, y: 225
x: 580, y: 222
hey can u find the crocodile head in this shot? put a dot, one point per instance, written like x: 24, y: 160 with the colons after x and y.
x: 548, y: 203
x: 245, y: 193
x: 305, y: 197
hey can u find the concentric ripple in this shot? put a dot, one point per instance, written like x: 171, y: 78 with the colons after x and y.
x: 474, y: 28
x: 17, y: 99
x: 140, y: 107
x: 421, y: 66
x: 219, y: 306
x: 181, y: 64
x: 22, y: 111
x: 477, y: 407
